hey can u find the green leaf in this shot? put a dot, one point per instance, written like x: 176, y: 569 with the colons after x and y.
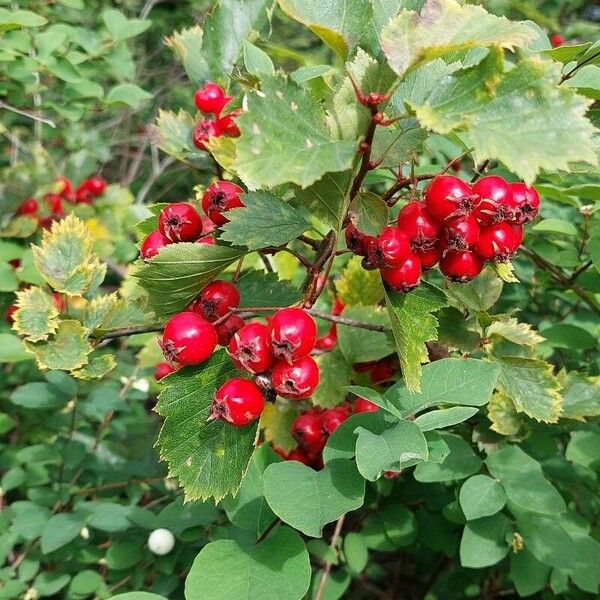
x: 532, y: 386
x: 265, y: 158
x: 438, y: 419
x: 37, y: 316
x: 175, y: 276
x: 479, y: 294
x: 12, y: 349
x: 276, y: 568
x: 581, y: 396
x: 414, y: 324
x: 395, y: 145
x: 64, y: 69
x: 559, y: 226
x: 173, y: 135
x: 459, y: 464
x: 265, y: 220
x: 276, y: 423
x: 129, y: 94
x: 398, y: 445
x: 48, y: 583
x: 208, y: 457
x: 518, y: 333
x: 110, y: 311
x: 258, y: 288
x: 584, y: 449
x: 108, y: 516
x: 357, y: 286
x: 527, y: 573
x: 390, y: 528
x: 138, y: 596
x: 336, y: 374
x: 587, y: 81
x: 257, y: 61
x: 483, y: 543
x: 307, y: 499
x: 523, y: 481
x: 123, y: 554
x: 481, y: 496
x: 14, y: 19
x: 187, y: 46
x: 29, y: 519
x: 369, y: 213
x: 8, y: 278
x: 97, y: 367
x: 85, y: 583
x: 362, y: 345
x: 122, y: 28
x: 38, y: 395
x: 566, y: 335
x: 60, y: 530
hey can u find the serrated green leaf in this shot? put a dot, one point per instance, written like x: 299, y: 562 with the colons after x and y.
x: 187, y: 46
x: 208, y: 458
x: 369, y: 213
x: 357, y: 286
x: 122, y: 28
x: 503, y: 415
x: 173, y: 135
x: 37, y: 316
x: 479, y: 294
x: 396, y: 145
x: 97, y: 368
x: 265, y: 220
x: 518, y: 333
x: 481, y: 496
x: 129, y: 94
x: 335, y: 375
x: 258, y: 288
x: 110, y: 312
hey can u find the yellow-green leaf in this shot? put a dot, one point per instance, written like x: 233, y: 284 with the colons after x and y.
x: 37, y: 316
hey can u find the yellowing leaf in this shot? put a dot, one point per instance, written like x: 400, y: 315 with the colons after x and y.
x: 112, y: 312
x: 357, y: 286
x: 37, y: 316
x: 276, y: 423
x: 513, y: 331
x: 506, y: 272
x: 503, y: 415
x: 97, y: 368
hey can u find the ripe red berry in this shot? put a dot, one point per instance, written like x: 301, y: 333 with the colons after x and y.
x: 461, y: 265
x: 55, y: 204
x: 357, y: 241
x: 556, y: 39
x: 204, y: 130
x: 250, y: 348
x: 328, y: 341
x: 83, y: 195
x: 448, y: 196
x: 180, y: 222
x: 363, y: 405
x: 332, y: 418
x: 211, y: 98
x: 518, y: 235
x: 152, y: 243
x: 338, y: 307
x: 429, y: 257
x: 384, y: 370
x: 227, y: 124
x: 188, y: 339
x: 28, y: 207
x: 298, y: 455
x: 496, y: 200
x: 293, y: 334
x: 163, y: 369
x: 238, y: 401
x: 461, y: 232
x: 307, y: 431
x: 220, y: 197
x: 526, y: 202
x: 419, y: 225
x: 59, y: 301
x: 389, y: 249
x: 64, y: 187
x: 209, y: 240
x: 96, y: 185
x: 404, y: 278
x: 10, y: 313
x: 297, y: 380
x: 497, y: 242
x: 227, y: 329
x: 216, y: 300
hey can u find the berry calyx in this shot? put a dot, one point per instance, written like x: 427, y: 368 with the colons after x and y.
x: 250, y: 348
x: 238, y: 401
x: 307, y: 431
x: 332, y: 418
x: 389, y: 249
x: 163, y: 369
x: 297, y: 380
x: 363, y: 405
x: 419, y: 225
x: 293, y: 334
x: 220, y: 197
x: 449, y: 196
x: 405, y: 277
x: 204, y: 130
x: 461, y: 265
x: 216, y: 300
x: 461, y: 232
x: 227, y: 329
x: 497, y: 242
x: 180, y: 222
x: 28, y: 207
x: 211, y: 98
x: 496, y: 200
x: 152, y: 244
x: 526, y: 202
x: 188, y: 339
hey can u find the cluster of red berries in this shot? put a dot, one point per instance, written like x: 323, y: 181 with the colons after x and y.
x: 181, y: 222
x: 457, y: 225
x: 52, y: 207
x: 211, y: 100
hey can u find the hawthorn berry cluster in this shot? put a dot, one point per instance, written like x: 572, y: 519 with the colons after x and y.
x: 52, y: 206
x: 211, y: 99
x: 456, y: 225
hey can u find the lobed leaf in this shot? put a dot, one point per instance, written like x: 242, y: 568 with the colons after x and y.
x: 37, y: 316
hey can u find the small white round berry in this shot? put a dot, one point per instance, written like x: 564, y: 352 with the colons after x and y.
x: 161, y: 541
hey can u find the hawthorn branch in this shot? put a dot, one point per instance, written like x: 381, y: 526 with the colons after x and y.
x: 327, y: 570
x: 29, y: 115
x: 365, y: 163
x: 117, y: 333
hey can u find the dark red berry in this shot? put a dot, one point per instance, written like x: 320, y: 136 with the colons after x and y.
x: 461, y: 265
x: 526, y: 202
x: 307, y: 431
x: 297, y: 380
x: 55, y: 204
x: 404, y: 278
x: 429, y: 257
x: 188, y: 339
x: 227, y: 124
x: 461, y: 232
x: 250, y: 348
x: 83, y: 195
x: 152, y: 244
x: 211, y: 98
x: 227, y: 329
x: 220, y: 197
x: 332, y: 418
x: 163, y: 369
x: 216, y: 300
x: 496, y: 199
x: 28, y: 207
x: 518, y: 235
x: 356, y: 240
x: 293, y: 334
x: 363, y: 405
x: 64, y: 187
x: 96, y: 185
x: 203, y: 131
x: 238, y: 401
x: 15, y: 263
x: 419, y: 225
x: 497, y: 242
x: 180, y: 222
x: 10, y: 313
x: 384, y: 370
x: 448, y: 196
x: 389, y: 249
x: 328, y: 341
x: 298, y: 455
x: 364, y: 367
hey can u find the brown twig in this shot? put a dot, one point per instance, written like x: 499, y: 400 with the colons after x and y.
x: 327, y: 570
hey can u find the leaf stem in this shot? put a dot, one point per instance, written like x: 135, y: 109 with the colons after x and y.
x: 327, y: 570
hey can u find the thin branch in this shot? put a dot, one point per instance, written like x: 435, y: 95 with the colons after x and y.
x: 29, y: 115
x: 112, y: 486
x: 365, y: 164
x: 328, y: 564
x: 576, y: 68
x: 405, y: 182
x: 581, y: 269
x: 156, y: 173
x: 117, y: 333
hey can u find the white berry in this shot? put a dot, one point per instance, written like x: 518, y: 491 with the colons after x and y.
x: 161, y: 541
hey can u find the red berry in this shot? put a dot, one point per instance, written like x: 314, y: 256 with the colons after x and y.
x: 390, y: 249
x: 404, y: 278
x: 384, y: 370
x: 163, y: 369
x: 338, y: 307
x: 227, y: 329
x: 293, y: 334
x: 64, y: 187
x: 518, y: 235
x: 180, y: 222
x: 363, y: 405
x: 228, y: 126
x: 297, y: 380
x: 497, y: 242
x: 250, y: 348
x: 364, y: 367
x: 556, y: 40
x: 298, y: 455
x: 419, y: 225
x: 84, y: 195
x: 461, y: 232
x: 203, y: 131
x: 28, y: 207
x: 526, y: 201
x: 332, y: 418
x: 429, y: 257
x: 55, y: 204
x: 328, y: 341
x: 211, y: 98
x: 96, y: 185
x: 10, y: 313
x: 461, y: 265
x: 238, y: 401
x: 209, y: 240
x: 152, y: 243
x: 216, y: 300
x: 188, y: 339
x: 448, y: 196
x: 220, y: 197
x: 307, y: 431
x: 496, y: 200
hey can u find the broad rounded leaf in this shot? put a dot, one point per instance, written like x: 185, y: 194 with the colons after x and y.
x: 481, y: 496
x: 483, y: 543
